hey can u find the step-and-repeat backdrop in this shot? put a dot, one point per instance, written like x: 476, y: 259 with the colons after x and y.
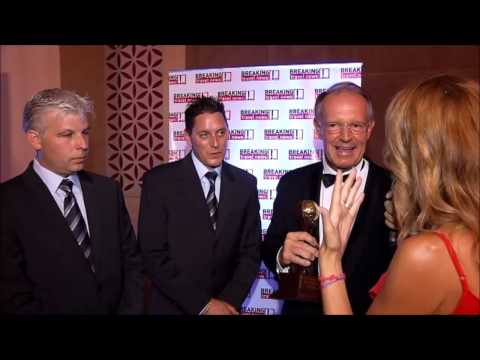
x: 270, y: 115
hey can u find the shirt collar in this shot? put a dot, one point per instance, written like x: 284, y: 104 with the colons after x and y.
x: 202, y: 169
x: 51, y: 179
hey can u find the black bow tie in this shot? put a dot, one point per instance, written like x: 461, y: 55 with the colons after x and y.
x: 329, y: 179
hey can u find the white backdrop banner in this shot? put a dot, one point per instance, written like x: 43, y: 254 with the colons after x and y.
x: 269, y: 110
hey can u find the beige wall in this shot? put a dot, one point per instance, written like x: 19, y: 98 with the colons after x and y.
x: 24, y: 71
x: 81, y: 70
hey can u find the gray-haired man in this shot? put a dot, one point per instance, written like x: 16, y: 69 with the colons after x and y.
x: 67, y: 245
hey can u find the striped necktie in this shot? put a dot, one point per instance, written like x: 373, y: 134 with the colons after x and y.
x: 75, y: 221
x: 212, y: 203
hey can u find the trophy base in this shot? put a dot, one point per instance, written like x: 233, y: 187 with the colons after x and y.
x: 298, y: 287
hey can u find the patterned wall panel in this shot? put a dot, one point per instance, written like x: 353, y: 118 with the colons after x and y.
x: 134, y: 113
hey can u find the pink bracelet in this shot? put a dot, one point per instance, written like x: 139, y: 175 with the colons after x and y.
x: 329, y: 280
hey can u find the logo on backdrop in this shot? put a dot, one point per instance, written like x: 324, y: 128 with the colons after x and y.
x: 259, y: 114
x: 264, y: 273
x: 350, y: 73
x: 296, y: 154
x: 253, y: 310
x: 178, y: 79
x: 260, y: 75
x: 283, y: 134
x: 213, y: 77
x: 307, y: 74
x: 300, y: 114
x: 236, y: 95
x: 265, y: 293
x: 175, y: 117
x: 319, y: 91
x: 178, y: 135
x: 284, y: 94
x: 273, y: 174
x: 258, y: 154
x: 242, y: 134
x: 267, y: 194
x: 267, y: 214
x: 180, y: 98
x: 174, y: 155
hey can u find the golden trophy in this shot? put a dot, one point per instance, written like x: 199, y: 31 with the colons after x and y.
x: 301, y: 283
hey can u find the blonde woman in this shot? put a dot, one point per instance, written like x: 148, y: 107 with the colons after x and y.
x: 432, y: 148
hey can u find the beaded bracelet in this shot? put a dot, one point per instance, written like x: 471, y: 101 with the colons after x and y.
x: 329, y: 280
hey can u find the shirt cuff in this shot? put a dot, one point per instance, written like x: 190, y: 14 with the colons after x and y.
x: 280, y: 268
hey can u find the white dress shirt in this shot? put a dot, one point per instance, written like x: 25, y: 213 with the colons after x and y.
x: 201, y: 171
x: 53, y: 180
x: 326, y: 197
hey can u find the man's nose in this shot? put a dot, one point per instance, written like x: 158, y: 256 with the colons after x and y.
x: 214, y: 141
x: 346, y: 133
x: 82, y: 142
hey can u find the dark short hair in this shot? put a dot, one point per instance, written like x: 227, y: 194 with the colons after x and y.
x: 204, y: 104
x: 337, y: 88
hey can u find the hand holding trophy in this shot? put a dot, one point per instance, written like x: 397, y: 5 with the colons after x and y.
x: 301, y: 282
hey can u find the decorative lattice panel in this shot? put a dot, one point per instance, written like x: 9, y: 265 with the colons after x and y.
x: 134, y: 105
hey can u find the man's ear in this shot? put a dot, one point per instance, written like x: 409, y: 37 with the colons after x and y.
x: 318, y: 130
x: 371, y: 125
x: 34, y: 138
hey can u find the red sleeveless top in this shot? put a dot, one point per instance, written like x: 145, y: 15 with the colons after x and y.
x: 468, y: 304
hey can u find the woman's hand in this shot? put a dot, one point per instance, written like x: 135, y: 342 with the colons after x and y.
x: 338, y: 221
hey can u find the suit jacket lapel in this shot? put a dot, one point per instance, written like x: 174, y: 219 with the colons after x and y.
x: 54, y: 228
x: 227, y: 194
x: 356, y: 244
x: 91, y: 198
x: 316, y: 183
x: 193, y: 190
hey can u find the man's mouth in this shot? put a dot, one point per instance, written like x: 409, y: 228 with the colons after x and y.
x: 79, y: 158
x: 344, y: 150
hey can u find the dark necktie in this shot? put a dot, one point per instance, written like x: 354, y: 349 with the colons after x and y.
x: 329, y: 179
x: 75, y: 221
x: 212, y: 199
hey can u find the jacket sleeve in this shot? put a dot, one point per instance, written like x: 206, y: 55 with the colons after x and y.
x: 159, y: 264
x: 278, y: 228
x: 132, y: 301
x: 16, y: 290
x: 248, y: 260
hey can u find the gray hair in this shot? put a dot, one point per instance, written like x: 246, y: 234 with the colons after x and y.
x: 337, y: 88
x: 54, y: 99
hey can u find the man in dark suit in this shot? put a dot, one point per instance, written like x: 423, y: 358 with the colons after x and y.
x: 67, y: 245
x: 344, y: 121
x: 199, y: 223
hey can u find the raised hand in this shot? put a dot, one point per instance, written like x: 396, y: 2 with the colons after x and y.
x: 338, y: 220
